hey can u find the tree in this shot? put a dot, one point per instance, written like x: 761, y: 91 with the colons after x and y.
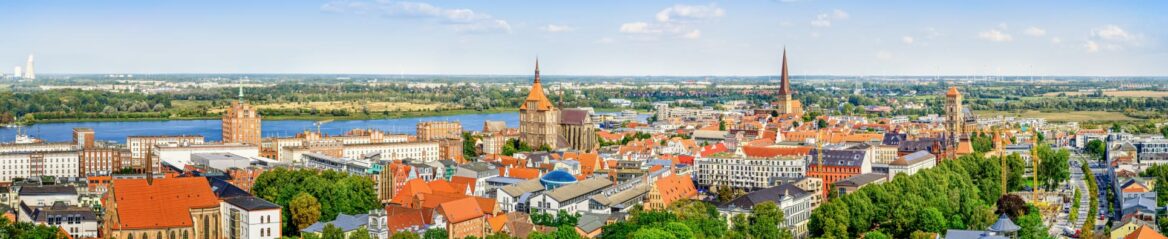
x: 1055, y: 166
x: 1164, y: 131
x: 652, y: 233
x: 876, y: 235
x: 335, y: 192
x: 931, y: 220
x: 468, y: 146
x: 1012, y: 205
x: 1096, y: 147
x: 305, y: 210
x: 435, y: 234
x: 764, y: 221
x: 332, y: 232
x: 405, y: 235
x: 360, y: 233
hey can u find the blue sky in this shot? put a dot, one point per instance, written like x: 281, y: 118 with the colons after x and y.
x: 605, y: 37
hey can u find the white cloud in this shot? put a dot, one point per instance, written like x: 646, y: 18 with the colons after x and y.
x: 825, y: 19
x: 931, y: 33
x: 638, y: 27
x: 1091, y: 46
x: 840, y: 14
x: 459, y: 19
x: 883, y: 55
x: 1112, y: 33
x: 907, y: 39
x: 681, y: 12
x: 1035, y: 31
x: 995, y: 36
x: 676, y: 21
x: 1056, y: 40
x: 1003, y: 26
x: 605, y: 40
x: 557, y: 28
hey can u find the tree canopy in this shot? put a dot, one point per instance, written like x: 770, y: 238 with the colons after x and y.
x: 335, y: 192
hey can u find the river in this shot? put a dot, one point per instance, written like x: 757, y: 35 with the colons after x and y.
x: 211, y: 130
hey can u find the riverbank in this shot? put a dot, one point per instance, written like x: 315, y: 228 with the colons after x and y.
x: 374, y: 116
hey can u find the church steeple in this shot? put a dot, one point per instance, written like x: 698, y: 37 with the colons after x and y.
x: 785, y: 88
x: 537, y: 70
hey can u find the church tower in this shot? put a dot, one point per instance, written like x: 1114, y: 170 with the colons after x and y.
x: 954, y: 119
x: 539, y: 120
x: 785, y: 103
x: 241, y: 123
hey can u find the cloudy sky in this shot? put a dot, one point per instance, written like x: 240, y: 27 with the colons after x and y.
x: 604, y: 37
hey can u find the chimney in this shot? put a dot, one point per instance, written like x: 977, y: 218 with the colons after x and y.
x: 149, y: 169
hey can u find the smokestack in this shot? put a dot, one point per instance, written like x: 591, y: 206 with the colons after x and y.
x: 149, y: 169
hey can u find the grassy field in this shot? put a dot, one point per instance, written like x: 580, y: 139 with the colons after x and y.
x: 1062, y: 116
x: 1126, y: 93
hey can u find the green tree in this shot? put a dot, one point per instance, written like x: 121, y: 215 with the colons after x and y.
x: 468, y: 146
x: 764, y: 221
x: 360, y: 233
x: 305, y: 210
x: 876, y: 235
x: 331, y: 232
x: 931, y: 220
x: 405, y: 235
x: 652, y: 233
x: 435, y: 234
x: 1054, y: 166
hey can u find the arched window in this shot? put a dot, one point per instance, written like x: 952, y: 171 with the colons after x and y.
x: 185, y: 235
x: 159, y: 235
x: 144, y: 236
x: 172, y: 235
x: 131, y: 236
x: 206, y: 228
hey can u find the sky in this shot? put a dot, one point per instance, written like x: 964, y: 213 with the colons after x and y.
x: 602, y: 37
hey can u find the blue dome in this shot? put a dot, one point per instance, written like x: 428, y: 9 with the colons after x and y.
x: 557, y: 178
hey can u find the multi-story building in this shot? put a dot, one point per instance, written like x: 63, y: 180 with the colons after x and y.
x: 911, y: 164
x: 242, y: 123
x: 179, y: 155
x: 492, y: 126
x: 838, y: 164
x: 463, y: 218
x: 79, y: 222
x: 61, y: 162
x: 813, y: 186
x: 577, y: 129
x: 142, y: 147
x: 748, y: 172
x: 539, y: 120
x: 83, y: 137
x: 669, y: 189
x: 795, y: 203
x: 100, y: 161
x: 133, y: 209
x: 571, y: 198
x: 433, y: 130
x: 424, y: 151
x: 249, y: 217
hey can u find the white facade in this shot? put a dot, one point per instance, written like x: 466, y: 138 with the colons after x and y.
x: 425, y: 151
x: 259, y: 224
x: 748, y: 172
x: 65, y: 163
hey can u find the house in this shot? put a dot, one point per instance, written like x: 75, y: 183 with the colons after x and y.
x: 571, y: 198
x: 1145, y: 232
x: 669, y: 189
x: 515, y: 197
x: 79, y: 222
x: 911, y: 164
x: 794, y: 201
x: 250, y: 217
x: 463, y: 218
x: 851, y: 184
x: 1130, y: 227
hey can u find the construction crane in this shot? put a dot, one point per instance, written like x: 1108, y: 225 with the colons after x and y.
x: 1000, y: 146
x: 319, y: 123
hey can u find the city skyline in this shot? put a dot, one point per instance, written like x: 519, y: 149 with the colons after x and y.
x: 670, y: 38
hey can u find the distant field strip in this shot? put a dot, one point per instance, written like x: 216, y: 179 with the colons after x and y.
x: 1062, y: 116
x: 1126, y: 93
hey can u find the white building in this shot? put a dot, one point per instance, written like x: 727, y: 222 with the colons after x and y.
x: 249, y: 217
x: 56, y: 163
x: 571, y: 198
x: 179, y: 155
x: 220, y: 161
x: 910, y: 164
x: 425, y: 151
x: 739, y: 172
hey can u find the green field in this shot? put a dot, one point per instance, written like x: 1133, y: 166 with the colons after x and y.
x: 1077, y: 116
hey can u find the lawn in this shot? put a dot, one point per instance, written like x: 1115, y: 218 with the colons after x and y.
x: 1062, y: 116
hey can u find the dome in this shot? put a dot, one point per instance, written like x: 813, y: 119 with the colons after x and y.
x: 557, y: 178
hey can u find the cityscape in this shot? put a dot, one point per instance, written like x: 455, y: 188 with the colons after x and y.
x: 353, y: 119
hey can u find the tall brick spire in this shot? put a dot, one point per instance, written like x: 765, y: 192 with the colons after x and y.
x: 537, y: 70
x: 785, y: 89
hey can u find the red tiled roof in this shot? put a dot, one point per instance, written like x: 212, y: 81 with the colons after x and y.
x: 772, y: 151
x: 406, y: 194
x: 676, y: 187
x: 520, y: 172
x: 461, y: 210
x: 713, y: 149
x: 1145, y: 232
x: 399, y: 218
x: 164, y: 204
x: 463, y: 184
